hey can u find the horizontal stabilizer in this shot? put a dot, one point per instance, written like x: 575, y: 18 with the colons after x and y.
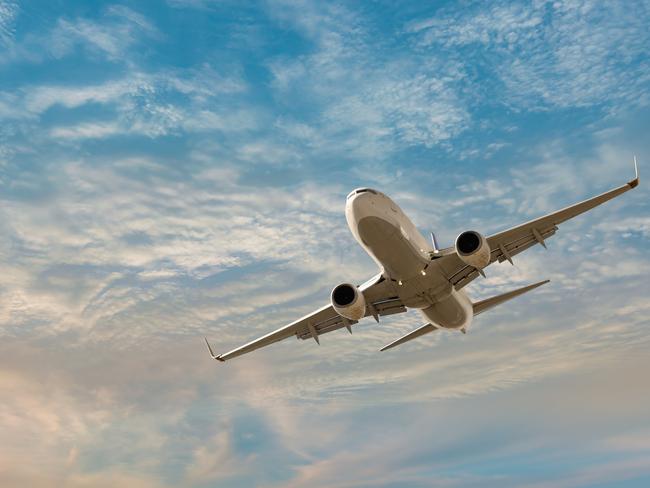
x: 488, y: 303
x: 425, y: 329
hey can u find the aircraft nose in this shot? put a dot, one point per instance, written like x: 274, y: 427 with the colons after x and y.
x: 360, y: 198
x: 360, y: 203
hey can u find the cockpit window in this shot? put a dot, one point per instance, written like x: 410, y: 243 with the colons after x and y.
x: 362, y: 190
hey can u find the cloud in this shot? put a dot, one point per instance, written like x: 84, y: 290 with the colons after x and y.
x: 121, y: 28
x: 47, y: 420
x: 159, y: 201
x: 95, y: 249
x: 384, y: 102
x: 86, y: 131
x: 548, y: 54
x: 41, y: 98
x: 110, y: 36
x: 214, y: 461
x: 627, y: 226
x: 8, y: 13
x: 150, y: 105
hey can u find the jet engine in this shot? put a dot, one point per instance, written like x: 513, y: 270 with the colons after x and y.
x: 473, y: 249
x: 348, y: 301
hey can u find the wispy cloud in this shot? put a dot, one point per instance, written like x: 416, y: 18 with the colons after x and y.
x: 8, y: 12
x: 121, y: 28
x: 140, y: 104
x: 382, y: 101
x: 544, y: 54
x: 180, y: 171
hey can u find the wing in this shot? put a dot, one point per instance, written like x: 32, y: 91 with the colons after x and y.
x: 511, y: 242
x: 378, y: 293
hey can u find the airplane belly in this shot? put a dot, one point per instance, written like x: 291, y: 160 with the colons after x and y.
x: 387, y: 244
x: 453, y: 312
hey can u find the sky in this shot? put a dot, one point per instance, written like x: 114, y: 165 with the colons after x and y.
x: 174, y: 170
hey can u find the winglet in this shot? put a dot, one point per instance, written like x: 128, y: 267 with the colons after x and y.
x: 635, y: 182
x: 218, y: 358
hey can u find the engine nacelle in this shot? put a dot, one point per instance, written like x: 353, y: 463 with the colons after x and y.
x: 348, y: 301
x: 473, y: 249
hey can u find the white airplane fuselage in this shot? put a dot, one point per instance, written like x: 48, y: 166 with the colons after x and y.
x: 385, y: 232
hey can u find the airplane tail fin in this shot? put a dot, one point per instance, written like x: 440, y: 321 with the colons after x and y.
x: 488, y: 303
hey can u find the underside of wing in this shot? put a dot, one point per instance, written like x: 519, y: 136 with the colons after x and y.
x: 381, y: 301
x: 380, y: 298
x: 460, y: 274
x: 506, y: 244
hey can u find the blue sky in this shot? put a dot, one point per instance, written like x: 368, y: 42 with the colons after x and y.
x: 170, y: 170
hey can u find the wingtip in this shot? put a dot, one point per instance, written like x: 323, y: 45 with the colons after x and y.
x: 539, y: 283
x: 214, y: 356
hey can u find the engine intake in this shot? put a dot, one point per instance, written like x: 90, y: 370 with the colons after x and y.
x: 473, y: 249
x: 348, y: 301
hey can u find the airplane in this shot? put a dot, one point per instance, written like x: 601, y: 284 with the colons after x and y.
x: 417, y: 274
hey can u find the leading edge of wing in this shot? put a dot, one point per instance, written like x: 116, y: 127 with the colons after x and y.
x: 265, y: 340
x: 374, y: 288
x: 571, y: 211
